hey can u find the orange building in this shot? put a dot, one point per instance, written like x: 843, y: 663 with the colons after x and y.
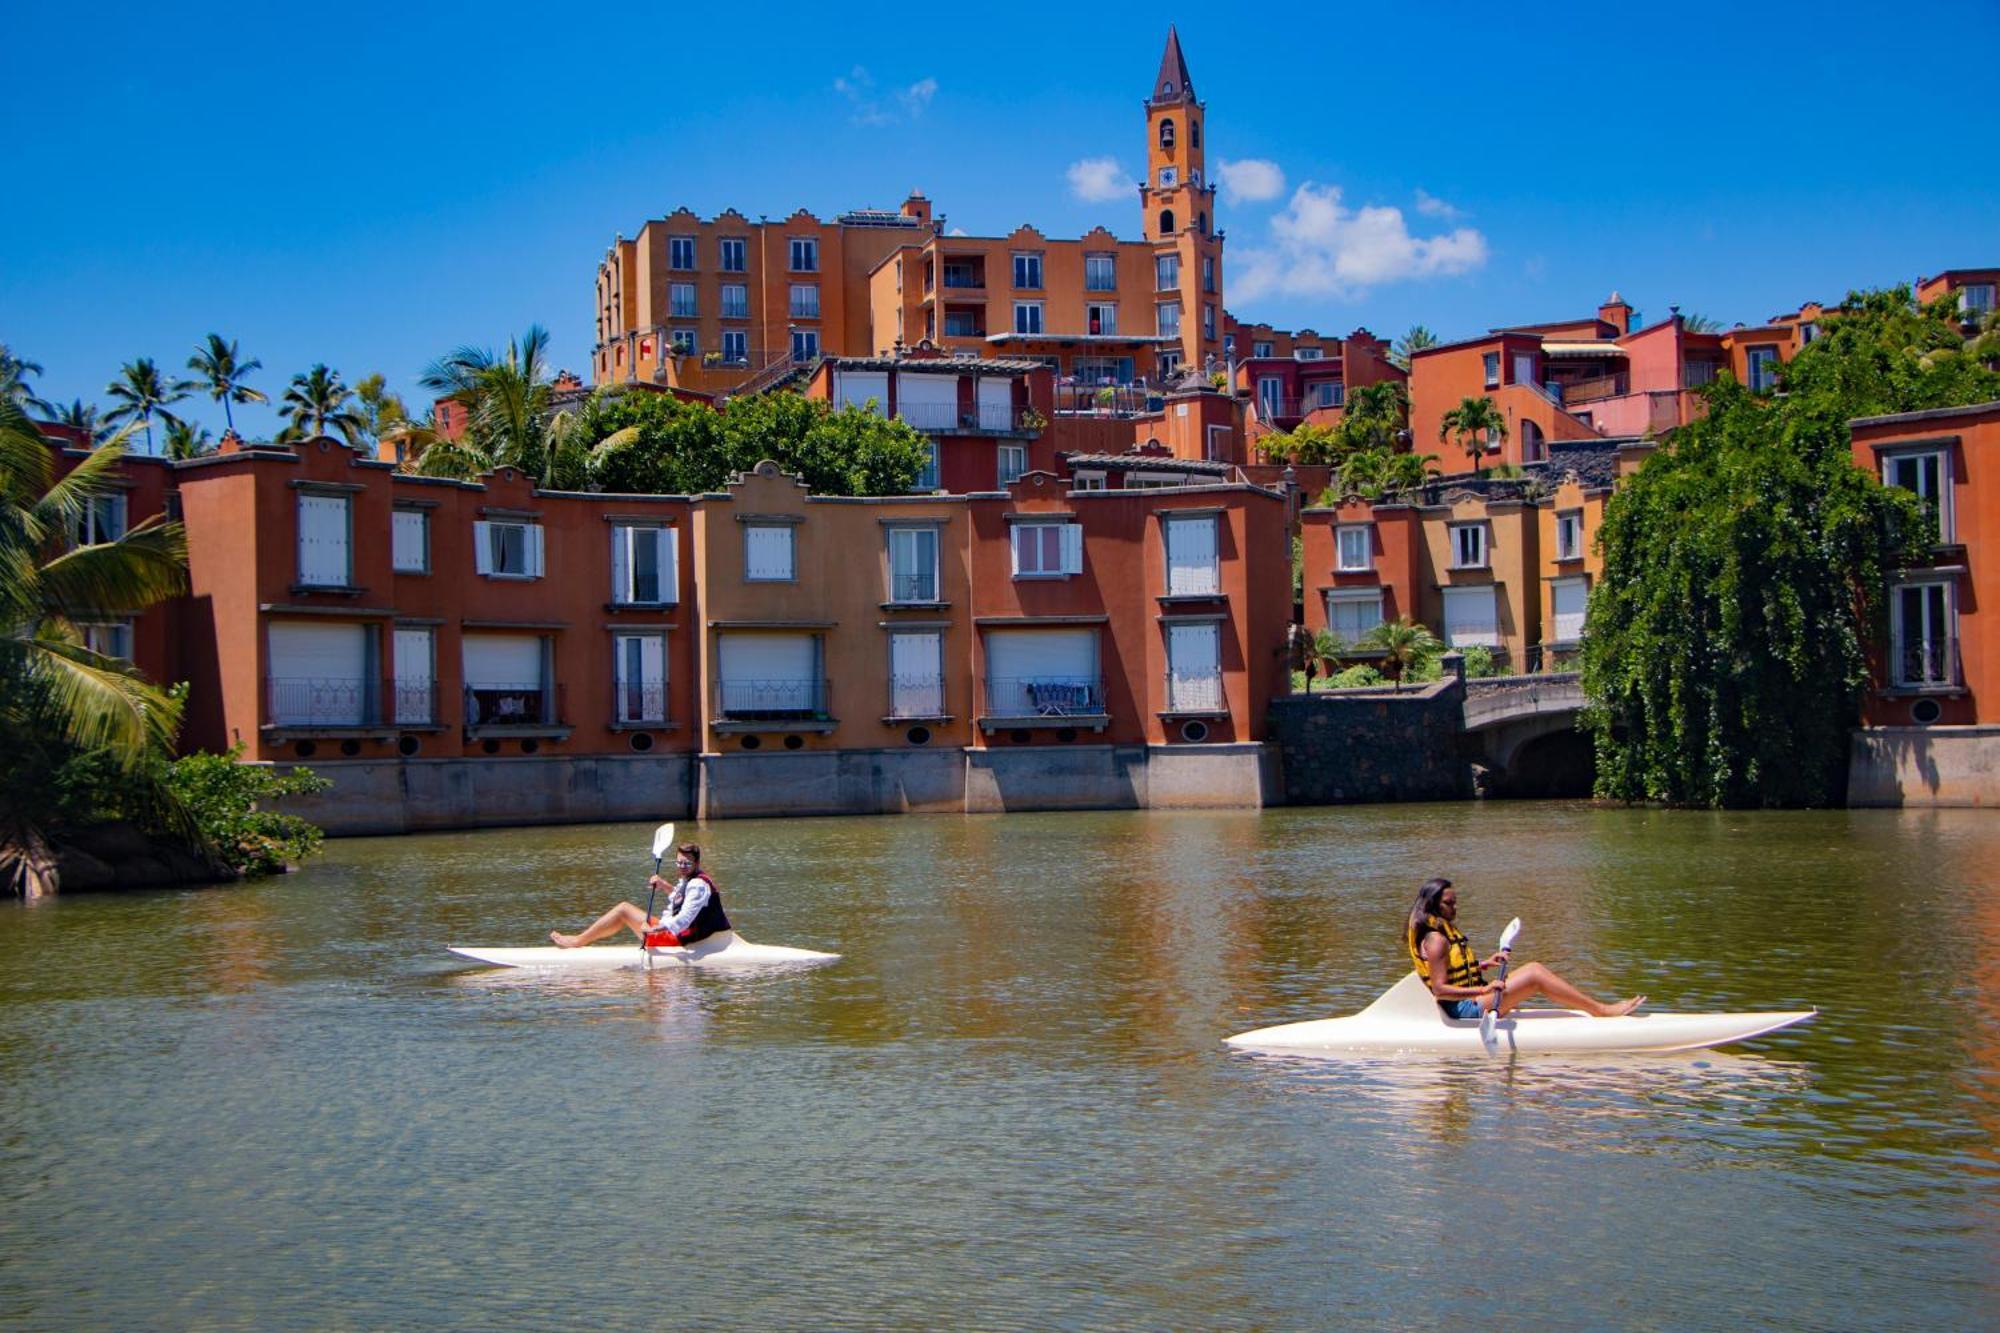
x: 731, y: 305
x: 1293, y: 378
x: 1975, y: 289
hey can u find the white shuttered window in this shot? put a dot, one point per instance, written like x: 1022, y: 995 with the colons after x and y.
x: 507, y: 550
x: 767, y: 552
x: 1194, y: 667
x: 1571, y: 598
x: 643, y: 568
x: 1047, y: 550
x: 641, y: 661
x: 1192, y: 568
x: 416, y: 677
x: 1472, y: 617
x: 325, y: 560
x: 916, y: 674
x: 410, y: 541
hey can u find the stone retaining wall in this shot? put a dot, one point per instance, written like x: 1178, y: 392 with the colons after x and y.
x: 1924, y: 766
x: 1337, y: 749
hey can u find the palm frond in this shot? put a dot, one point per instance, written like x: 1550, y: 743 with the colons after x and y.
x: 94, y: 701
x: 145, y: 566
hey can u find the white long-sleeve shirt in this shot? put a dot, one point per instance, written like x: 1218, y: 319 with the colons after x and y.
x: 690, y: 895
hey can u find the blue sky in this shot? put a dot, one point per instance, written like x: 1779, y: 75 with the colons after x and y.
x: 375, y: 187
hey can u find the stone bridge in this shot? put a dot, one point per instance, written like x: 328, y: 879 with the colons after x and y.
x: 1523, y: 731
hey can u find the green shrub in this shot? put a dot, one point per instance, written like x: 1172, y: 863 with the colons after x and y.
x: 1479, y: 661
x: 225, y: 799
x: 1356, y: 676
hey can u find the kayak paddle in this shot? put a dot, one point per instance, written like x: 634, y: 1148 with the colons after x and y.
x: 663, y: 838
x: 1486, y: 1019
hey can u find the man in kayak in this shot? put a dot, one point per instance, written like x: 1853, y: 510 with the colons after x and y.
x: 1446, y: 961
x: 694, y: 911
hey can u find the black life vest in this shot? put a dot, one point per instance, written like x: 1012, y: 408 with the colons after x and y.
x: 1461, y: 962
x: 710, y: 919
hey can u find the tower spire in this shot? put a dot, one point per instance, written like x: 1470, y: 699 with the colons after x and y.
x: 1173, y: 84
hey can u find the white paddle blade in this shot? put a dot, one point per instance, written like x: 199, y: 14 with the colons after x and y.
x: 1506, y: 936
x: 663, y: 841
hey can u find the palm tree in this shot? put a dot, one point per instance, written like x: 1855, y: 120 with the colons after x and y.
x: 14, y: 372
x: 142, y: 395
x: 1700, y: 324
x: 1475, y: 421
x: 223, y: 370
x: 78, y: 416
x: 185, y: 439
x: 1416, y: 340
x: 506, y: 396
x: 317, y: 404
x: 55, y: 691
x: 1405, y: 645
x: 1323, y: 653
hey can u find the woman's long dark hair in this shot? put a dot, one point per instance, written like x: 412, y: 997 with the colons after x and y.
x: 1425, y: 906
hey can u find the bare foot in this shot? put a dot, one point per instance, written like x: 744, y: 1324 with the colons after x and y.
x: 1625, y: 1007
x: 562, y: 941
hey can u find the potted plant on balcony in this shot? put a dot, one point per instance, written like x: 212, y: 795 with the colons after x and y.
x: 711, y: 358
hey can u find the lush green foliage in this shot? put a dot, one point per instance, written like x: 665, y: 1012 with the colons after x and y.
x: 1473, y: 421
x: 14, y: 388
x: 228, y: 801
x: 1479, y: 661
x: 1406, y: 645
x: 652, y: 443
x: 1373, y: 419
x: 319, y: 403
x: 141, y: 393
x: 1744, y: 563
x: 1416, y: 340
x: 223, y: 374
x: 1355, y: 677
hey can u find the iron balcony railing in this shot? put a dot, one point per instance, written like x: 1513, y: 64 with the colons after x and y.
x: 321, y: 701
x: 1044, y: 696
x: 916, y: 696
x: 948, y: 419
x: 1920, y: 662
x: 772, y: 699
x: 913, y: 587
x: 641, y: 701
x: 415, y: 703
x: 527, y: 704
x: 1113, y: 400
x: 1195, y: 692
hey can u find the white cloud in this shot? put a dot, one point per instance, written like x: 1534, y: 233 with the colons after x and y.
x: 1251, y: 181
x: 870, y: 107
x: 1321, y: 247
x: 1100, y: 179
x: 1433, y: 207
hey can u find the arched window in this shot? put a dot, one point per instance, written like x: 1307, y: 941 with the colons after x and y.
x: 1194, y: 134
x: 1166, y: 222
x: 1531, y: 442
x: 1167, y: 132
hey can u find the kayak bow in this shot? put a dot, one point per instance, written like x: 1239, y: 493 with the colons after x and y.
x: 725, y: 949
x: 1407, y: 1018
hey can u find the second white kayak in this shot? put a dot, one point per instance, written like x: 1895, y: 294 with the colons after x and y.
x: 1407, y: 1018
x: 725, y: 949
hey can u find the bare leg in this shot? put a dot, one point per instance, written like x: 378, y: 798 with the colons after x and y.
x: 1531, y: 979
x: 622, y: 917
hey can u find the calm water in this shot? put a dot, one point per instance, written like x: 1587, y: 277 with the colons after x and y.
x: 1007, y: 1105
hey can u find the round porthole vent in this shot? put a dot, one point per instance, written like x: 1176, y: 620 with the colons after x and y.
x: 640, y: 742
x: 918, y: 735
x: 305, y: 749
x: 1926, y: 711
x: 1194, y: 729
x: 408, y: 746
x: 350, y: 748
x: 752, y: 742
x: 794, y: 742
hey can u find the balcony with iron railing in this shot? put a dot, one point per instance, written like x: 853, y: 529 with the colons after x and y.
x: 301, y: 704
x: 949, y: 419
x: 1044, y: 701
x: 1076, y: 398
x: 639, y: 703
x: 777, y: 703
x: 1921, y: 664
x: 913, y: 589
x: 525, y: 708
x: 1195, y: 692
x: 915, y: 696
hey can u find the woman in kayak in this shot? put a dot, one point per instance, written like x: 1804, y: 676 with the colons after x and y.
x: 694, y: 911
x: 1456, y: 974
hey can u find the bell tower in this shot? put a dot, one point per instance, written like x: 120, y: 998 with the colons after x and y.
x: 1178, y: 205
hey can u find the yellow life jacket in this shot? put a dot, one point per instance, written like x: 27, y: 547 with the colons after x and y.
x: 1461, y: 962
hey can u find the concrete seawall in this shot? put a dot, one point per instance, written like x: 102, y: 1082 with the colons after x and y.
x: 1924, y: 766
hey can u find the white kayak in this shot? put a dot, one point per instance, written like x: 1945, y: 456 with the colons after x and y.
x: 1407, y: 1018
x: 724, y: 949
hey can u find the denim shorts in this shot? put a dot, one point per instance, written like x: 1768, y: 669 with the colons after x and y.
x: 1465, y: 1009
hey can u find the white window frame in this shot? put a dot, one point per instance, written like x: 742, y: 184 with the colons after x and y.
x: 1490, y: 594
x: 1207, y: 320
x: 1471, y: 544
x: 682, y: 341
x: 735, y: 300
x: 1330, y: 393
x: 680, y: 254
x: 1307, y: 353
x: 627, y: 540
x: 739, y: 341
x: 1012, y: 463
x: 1760, y: 367
x: 1069, y: 549
x: 805, y: 346
x: 1087, y: 481
x: 1524, y: 368
x: 1192, y: 577
x: 1216, y: 447
x: 804, y: 248
x: 914, y: 569
x: 1028, y: 317
x: 923, y: 696
x: 312, y: 573
x: 927, y: 475
x: 1976, y: 307
x: 1263, y: 347
x: 490, y: 553
x: 648, y: 706
x: 1106, y: 315
x: 1353, y: 597
x: 1100, y: 272
x: 804, y: 301
x: 1195, y: 686
x: 1354, y: 548
x: 1028, y: 265
x: 104, y: 519
x: 732, y: 248
x: 1569, y: 534
x: 765, y: 570
x: 683, y: 300
x: 1899, y: 654
x: 1940, y: 503
x: 1490, y: 363
x: 1166, y: 273
x: 108, y: 638
x: 1208, y: 273
x: 413, y: 688
x: 1558, y: 621
x: 410, y: 540
x: 1167, y: 319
